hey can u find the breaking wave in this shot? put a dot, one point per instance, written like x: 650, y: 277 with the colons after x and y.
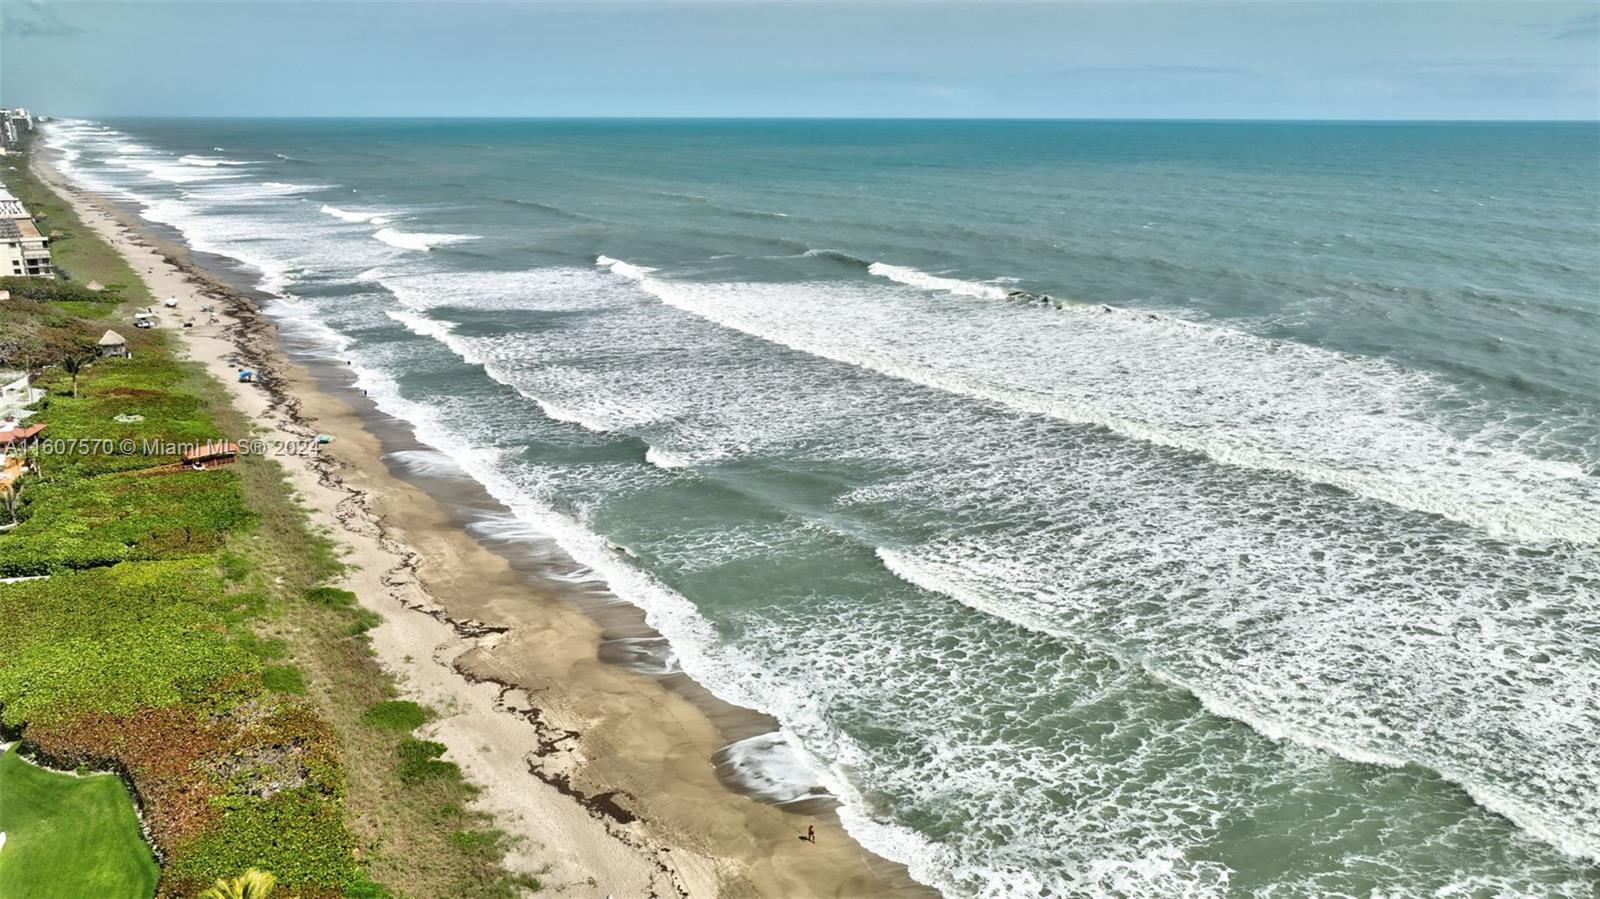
x: 346, y: 215
x: 915, y: 278
x: 421, y: 242
x: 1357, y: 424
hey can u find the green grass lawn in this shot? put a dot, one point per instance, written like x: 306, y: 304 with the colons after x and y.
x: 68, y: 837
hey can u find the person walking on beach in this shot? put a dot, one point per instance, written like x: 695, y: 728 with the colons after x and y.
x: 811, y: 834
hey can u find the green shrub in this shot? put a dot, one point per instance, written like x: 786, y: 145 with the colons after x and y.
x: 113, y: 640
x: 365, y: 620
x: 419, y: 761
x: 331, y: 596
x: 395, y: 714
x: 165, y: 659
x: 299, y: 837
x: 94, y: 522
x: 33, y: 336
x: 48, y: 290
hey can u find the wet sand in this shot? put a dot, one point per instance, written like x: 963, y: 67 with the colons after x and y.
x: 594, y: 756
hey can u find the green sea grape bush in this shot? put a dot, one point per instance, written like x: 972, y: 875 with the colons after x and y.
x: 395, y: 714
x: 50, y: 290
x: 420, y: 760
x: 93, y: 522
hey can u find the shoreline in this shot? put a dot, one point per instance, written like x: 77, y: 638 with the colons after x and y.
x: 603, y: 775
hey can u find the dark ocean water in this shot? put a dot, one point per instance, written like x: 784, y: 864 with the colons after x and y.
x: 1261, y: 560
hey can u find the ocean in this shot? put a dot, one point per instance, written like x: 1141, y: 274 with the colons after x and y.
x: 1103, y: 508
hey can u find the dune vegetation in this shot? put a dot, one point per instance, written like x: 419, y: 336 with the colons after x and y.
x: 178, y: 628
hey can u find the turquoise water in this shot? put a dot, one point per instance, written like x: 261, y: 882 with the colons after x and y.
x: 1104, y: 509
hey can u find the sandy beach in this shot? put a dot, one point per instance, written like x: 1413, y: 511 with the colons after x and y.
x: 602, y: 775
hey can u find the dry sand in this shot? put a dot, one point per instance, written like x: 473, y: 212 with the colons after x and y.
x: 598, y: 772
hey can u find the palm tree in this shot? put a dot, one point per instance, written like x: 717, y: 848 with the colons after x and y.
x: 252, y: 884
x: 72, y: 363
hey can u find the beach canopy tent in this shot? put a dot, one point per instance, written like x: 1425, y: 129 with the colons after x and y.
x: 113, y: 344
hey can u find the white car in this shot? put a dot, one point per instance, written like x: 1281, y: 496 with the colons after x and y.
x: 171, y: 303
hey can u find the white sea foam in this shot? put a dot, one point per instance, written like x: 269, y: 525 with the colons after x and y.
x: 916, y: 278
x: 211, y: 162
x: 661, y: 458
x: 1574, y: 837
x: 440, y: 330
x: 626, y: 269
x: 502, y: 527
x: 1357, y: 424
x: 302, y: 319
x: 1447, y: 572
x: 631, y: 394
x: 165, y: 168
x: 768, y: 767
x: 73, y: 139
x: 421, y: 324
x: 243, y: 192
x: 431, y: 291
x: 646, y: 655
x: 224, y: 238
x: 427, y: 463
x: 373, y: 218
x: 419, y: 241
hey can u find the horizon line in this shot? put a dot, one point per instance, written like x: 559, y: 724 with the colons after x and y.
x: 826, y: 118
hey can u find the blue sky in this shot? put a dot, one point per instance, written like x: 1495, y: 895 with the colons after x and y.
x: 1133, y: 59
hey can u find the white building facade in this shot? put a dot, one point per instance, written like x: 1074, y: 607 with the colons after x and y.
x: 23, y: 249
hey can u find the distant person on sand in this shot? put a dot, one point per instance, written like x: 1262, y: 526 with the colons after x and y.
x: 811, y: 834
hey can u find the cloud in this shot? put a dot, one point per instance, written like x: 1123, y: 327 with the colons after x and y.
x: 33, y: 19
x: 1580, y: 28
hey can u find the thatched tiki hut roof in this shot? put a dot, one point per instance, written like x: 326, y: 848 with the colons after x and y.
x: 113, y: 344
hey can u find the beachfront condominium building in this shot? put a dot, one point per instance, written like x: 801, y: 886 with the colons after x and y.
x: 23, y: 249
x: 12, y: 123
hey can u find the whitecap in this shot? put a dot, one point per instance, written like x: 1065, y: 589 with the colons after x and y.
x: 419, y: 241
x: 210, y: 162
x: 346, y: 215
x: 915, y: 278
